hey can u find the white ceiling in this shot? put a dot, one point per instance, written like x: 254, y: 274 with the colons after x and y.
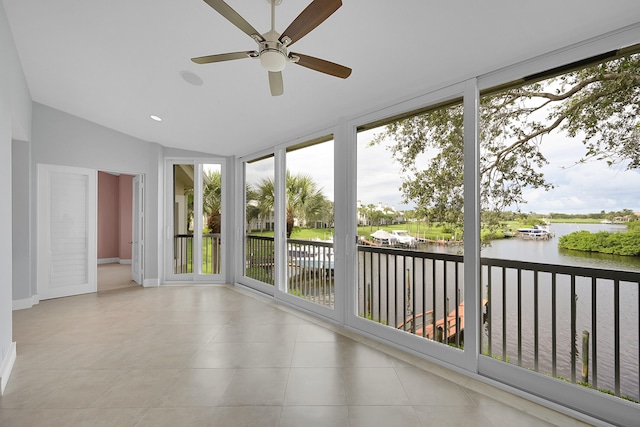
x: 117, y: 62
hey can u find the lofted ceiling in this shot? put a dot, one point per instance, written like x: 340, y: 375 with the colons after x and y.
x: 117, y: 62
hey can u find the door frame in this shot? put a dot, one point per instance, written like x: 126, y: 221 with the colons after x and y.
x: 137, y: 229
x: 194, y: 277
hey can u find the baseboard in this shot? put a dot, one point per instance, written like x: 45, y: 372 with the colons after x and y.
x: 7, y: 367
x: 114, y: 261
x: 22, y: 304
x: 151, y: 283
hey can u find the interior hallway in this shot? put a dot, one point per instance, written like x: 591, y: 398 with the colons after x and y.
x: 218, y: 356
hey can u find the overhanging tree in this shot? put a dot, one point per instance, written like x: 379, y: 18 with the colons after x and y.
x: 599, y: 104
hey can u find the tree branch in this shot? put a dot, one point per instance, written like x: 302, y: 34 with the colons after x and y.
x: 545, y: 130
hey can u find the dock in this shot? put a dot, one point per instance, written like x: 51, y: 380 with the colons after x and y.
x: 427, y: 331
x: 443, y: 242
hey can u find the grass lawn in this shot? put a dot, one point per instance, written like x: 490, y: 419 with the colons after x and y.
x: 365, y: 231
x: 575, y: 221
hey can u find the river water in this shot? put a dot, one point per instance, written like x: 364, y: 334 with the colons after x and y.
x: 547, y: 252
x: 392, y: 287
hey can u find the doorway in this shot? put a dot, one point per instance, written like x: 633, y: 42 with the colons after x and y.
x: 116, y: 200
x: 196, y: 238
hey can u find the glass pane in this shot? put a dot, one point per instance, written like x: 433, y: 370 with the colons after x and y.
x: 309, y: 211
x: 560, y: 176
x: 212, y: 219
x: 183, y: 219
x: 410, y: 218
x: 259, y: 220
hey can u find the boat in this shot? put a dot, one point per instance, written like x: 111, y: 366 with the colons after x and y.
x: 537, y: 232
x: 384, y: 238
x: 404, y: 238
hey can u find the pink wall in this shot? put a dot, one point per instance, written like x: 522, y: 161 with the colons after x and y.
x: 108, y: 221
x: 114, y: 216
x: 126, y: 189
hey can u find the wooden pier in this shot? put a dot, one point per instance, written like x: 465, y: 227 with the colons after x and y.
x: 444, y: 328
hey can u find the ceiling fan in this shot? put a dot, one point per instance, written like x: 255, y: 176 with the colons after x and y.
x: 273, y: 46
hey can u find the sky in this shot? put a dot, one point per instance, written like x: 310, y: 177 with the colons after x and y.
x: 583, y: 188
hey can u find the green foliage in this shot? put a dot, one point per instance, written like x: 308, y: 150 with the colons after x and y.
x: 304, y: 200
x: 369, y: 316
x: 604, y: 242
x: 212, y: 199
x: 600, y: 104
x: 261, y: 274
x: 634, y: 226
x: 591, y: 217
x: 530, y: 221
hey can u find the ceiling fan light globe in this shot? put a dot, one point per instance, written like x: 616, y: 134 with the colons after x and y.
x: 273, y: 60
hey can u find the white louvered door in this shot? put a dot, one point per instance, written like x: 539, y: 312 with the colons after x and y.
x: 67, y: 249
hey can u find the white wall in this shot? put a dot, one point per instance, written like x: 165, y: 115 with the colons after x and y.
x: 59, y: 138
x: 21, y: 173
x: 63, y: 139
x: 15, y: 122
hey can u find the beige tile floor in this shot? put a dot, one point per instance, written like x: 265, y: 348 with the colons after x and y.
x: 114, y: 276
x: 216, y: 356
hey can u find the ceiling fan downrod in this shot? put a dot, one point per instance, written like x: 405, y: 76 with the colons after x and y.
x: 273, y: 53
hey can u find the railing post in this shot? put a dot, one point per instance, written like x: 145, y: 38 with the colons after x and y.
x: 585, y: 356
x: 574, y: 337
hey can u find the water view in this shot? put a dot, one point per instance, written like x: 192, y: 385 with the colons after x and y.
x: 547, y: 252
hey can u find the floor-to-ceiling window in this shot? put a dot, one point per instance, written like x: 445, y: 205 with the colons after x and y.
x: 309, y: 218
x: 183, y: 227
x: 299, y: 262
x: 561, y: 260
x: 195, y: 244
x: 410, y: 196
x: 528, y: 323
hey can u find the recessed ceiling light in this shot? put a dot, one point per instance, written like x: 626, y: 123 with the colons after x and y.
x: 191, y: 78
x: 156, y: 118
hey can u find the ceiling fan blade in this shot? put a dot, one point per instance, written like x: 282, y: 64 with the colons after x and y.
x: 323, y: 66
x: 275, y: 83
x: 225, y: 57
x: 234, y: 17
x: 315, y: 14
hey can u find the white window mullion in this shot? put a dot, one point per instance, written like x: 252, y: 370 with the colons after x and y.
x: 344, y: 242
x: 280, y: 227
x: 472, y: 292
x: 198, y: 225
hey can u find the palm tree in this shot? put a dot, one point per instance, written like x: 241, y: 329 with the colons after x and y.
x: 252, y: 207
x: 212, y: 199
x: 304, y: 199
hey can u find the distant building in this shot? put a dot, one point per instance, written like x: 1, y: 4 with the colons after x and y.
x: 392, y: 216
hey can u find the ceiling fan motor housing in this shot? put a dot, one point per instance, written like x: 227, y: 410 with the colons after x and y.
x: 273, y: 53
